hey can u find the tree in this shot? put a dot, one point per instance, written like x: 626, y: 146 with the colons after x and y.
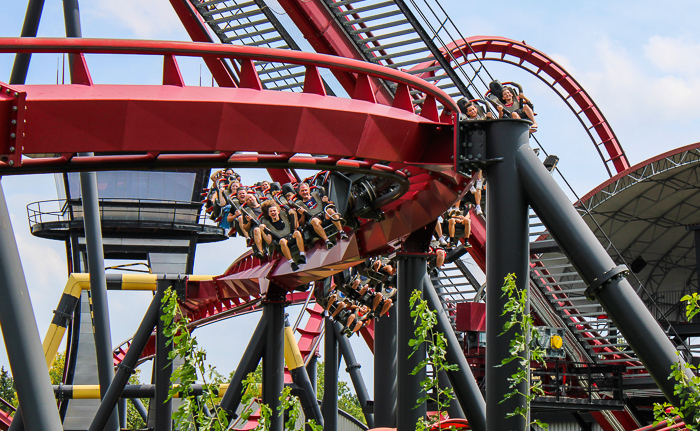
x: 7, y: 389
x: 56, y: 371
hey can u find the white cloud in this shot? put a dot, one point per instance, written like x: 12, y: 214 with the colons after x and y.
x: 675, y: 56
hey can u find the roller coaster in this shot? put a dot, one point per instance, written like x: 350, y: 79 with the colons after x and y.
x: 374, y: 111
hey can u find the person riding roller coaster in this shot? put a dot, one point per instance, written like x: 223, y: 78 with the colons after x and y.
x: 454, y: 217
x: 471, y: 111
x: 513, y: 103
x: 250, y: 212
x: 275, y: 223
x: 313, y: 208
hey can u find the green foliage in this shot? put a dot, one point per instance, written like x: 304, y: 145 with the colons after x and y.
x: 347, y: 400
x: 56, y: 371
x: 687, y: 388
x: 190, y: 414
x: 7, y: 389
x: 133, y: 418
x: 521, y: 350
x: 194, y: 367
x: 436, y: 346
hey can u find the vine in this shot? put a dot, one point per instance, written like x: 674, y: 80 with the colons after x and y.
x: 687, y: 388
x: 521, y: 349
x: 436, y: 344
x: 190, y: 413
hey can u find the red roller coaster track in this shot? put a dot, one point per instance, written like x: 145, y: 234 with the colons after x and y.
x: 519, y: 54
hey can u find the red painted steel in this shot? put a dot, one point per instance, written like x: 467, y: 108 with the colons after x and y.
x: 197, y: 30
x: 478, y: 48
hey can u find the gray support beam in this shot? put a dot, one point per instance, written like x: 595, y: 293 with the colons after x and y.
x: 454, y: 410
x: 353, y: 368
x: 21, y: 336
x: 606, y: 281
x: 29, y: 29
x: 121, y: 405
x: 126, y: 368
x: 306, y: 390
x: 385, y: 365
x: 507, y: 252
x: 140, y: 408
x: 248, y: 363
x: 163, y: 368
x: 697, y: 256
x: 329, y: 406
x: 273, y: 359
x: 411, y: 270
x: 95, y: 251
x: 312, y: 371
x: 463, y: 382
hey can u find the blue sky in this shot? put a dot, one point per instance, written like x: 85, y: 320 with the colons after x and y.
x: 639, y: 60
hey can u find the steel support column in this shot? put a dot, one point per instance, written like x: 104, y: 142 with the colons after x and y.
x: 163, y: 371
x: 411, y: 270
x: 353, y: 368
x: 312, y: 371
x: 329, y: 406
x: 140, y: 408
x: 507, y: 252
x: 29, y: 29
x: 463, y: 382
x: 273, y: 359
x: 21, y: 336
x: 295, y: 364
x: 121, y: 407
x: 126, y: 368
x: 95, y: 251
x: 606, y: 281
x: 248, y: 363
x: 385, y: 389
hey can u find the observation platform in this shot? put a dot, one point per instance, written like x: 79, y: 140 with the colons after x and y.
x: 141, y: 223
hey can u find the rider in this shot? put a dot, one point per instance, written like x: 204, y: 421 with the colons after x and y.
x: 276, y: 222
x: 312, y: 206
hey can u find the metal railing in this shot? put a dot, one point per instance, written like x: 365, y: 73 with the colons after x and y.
x: 584, y: 382
x: 123, y: 210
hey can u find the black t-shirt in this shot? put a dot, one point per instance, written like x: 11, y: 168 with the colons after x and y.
x: 279, y: 224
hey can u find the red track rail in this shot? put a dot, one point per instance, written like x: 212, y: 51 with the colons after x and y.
x: 519, y: 54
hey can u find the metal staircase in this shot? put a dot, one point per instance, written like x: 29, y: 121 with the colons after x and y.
x: 253, y: 23
x: 399, y: 35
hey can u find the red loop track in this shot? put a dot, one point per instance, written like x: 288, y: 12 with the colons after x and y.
x: 519, y: 54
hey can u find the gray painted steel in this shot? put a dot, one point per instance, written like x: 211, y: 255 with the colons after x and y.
x: 143, y: 333
x: 29, y: 29
x: 592, y: 262
x: 21, y: 335
x: 273, y: 361
x: 248, y: 363
x: 411, y: 271
x: 80, y: 413
x: 507, y: 252
x: 329, y: 407
x: 163, y: 371
x: 385, y: 389
x: 353, y: 368
x: 463, y: 382
x: 95, y: 252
